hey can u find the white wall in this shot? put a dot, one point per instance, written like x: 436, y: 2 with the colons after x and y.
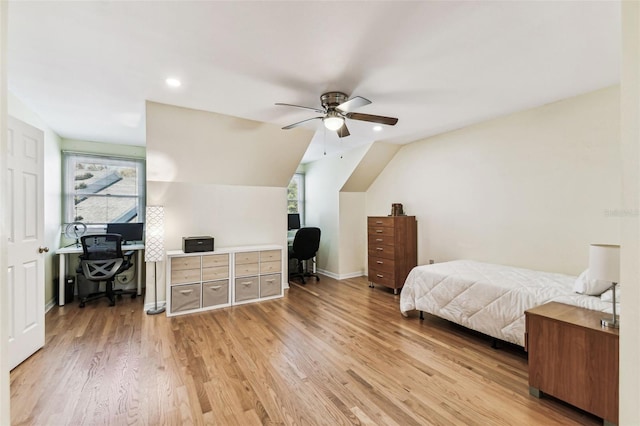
x: 220, y: 176
x: 323, y: 180
x: 5, y: 417
x: 531, y: 189
x: 52, y: 190
x: 352, y: 230
x: 630, y: 248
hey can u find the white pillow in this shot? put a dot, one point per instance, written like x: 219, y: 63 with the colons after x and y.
x: 607, y: 296
x: 585, y: 285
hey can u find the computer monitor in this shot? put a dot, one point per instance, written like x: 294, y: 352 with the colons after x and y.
x: 294, y: 221
x: 130, y: 231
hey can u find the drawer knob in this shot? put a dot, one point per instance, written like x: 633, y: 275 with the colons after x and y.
x: 246, y: 283
x: 185, y: 292
x: 379, y: 275
x: 379, y: 248
x: 379, y: 231
x: 379, y: 222
x: 214, y: 288
x: 270, y: 281
x: 379, y: 240
x: 379, y: 262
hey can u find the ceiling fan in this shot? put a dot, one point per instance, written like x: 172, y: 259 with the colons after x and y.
x: 336, y: 107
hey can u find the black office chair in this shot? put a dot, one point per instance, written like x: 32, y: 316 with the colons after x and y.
x: 304, y: 248
x: 102, y: 260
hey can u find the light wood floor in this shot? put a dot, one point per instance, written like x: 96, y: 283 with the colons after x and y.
x: 333, y: 352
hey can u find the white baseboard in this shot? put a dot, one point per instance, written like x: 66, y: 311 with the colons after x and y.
x: 341, y: 276
x: 50, y: 304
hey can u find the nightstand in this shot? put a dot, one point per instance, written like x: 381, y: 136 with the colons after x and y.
x: 573, y: 358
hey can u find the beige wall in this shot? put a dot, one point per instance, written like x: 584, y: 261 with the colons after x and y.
x: 52, y: 191
x: 220, y: 176
x: 531, y: 189
x: 630, y: 250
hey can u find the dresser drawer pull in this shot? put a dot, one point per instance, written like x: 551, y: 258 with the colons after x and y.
x: 214, y: 288
x: 379, y: 275
x: 246, y: 283
x: 270, y: 281
x: 379, y: 231
x: 379, y: 262
x: 379, y: 240
x: 378, y: 222
x: 379, y: 248
x: 185, y: 292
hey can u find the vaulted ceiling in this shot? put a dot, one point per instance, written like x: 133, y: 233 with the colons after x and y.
x: 87, y: 67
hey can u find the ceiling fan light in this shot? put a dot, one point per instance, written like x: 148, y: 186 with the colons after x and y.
x: 333, y: 122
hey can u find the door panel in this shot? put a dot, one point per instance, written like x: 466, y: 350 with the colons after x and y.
x: 25, y: 229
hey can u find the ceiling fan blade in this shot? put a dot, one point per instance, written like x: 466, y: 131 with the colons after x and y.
x: 343, y: 131
x: 353, y: 103
x: 321, y: 111
x: 291, y: 126
x: 391, y: 121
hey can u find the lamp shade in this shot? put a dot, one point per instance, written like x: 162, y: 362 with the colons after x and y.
x: 333, y: 121
x: 604, y: 262
x: 154, y: 235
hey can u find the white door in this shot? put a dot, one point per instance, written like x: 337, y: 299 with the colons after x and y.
x: 25, y: 248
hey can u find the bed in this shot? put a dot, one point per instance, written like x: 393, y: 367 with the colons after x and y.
x: 489, y: 298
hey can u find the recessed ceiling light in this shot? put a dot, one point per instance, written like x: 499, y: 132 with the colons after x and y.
x: 377, y: 128
x: 173, y: 82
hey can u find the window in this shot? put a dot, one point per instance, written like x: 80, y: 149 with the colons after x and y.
x: 103, y: 189
x: 295, y: 196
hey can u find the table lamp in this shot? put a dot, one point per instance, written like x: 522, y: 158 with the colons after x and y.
x: 604, y: 265
x: 154, y: 248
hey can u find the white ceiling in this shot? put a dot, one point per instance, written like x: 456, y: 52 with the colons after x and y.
x: 87, y: 67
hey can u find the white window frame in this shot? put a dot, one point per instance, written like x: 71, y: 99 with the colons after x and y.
x: 69, y: 158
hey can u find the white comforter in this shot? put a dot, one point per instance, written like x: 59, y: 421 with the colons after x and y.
x: 488, y: 298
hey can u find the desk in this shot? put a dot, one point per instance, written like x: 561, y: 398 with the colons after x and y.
x: 74, y: 249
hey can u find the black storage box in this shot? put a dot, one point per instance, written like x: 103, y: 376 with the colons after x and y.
x: 69, y: 288
x: 197, y: 244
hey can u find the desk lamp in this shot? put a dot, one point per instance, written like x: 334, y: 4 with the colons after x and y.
x: 604, y: 265
x: 154, y: 248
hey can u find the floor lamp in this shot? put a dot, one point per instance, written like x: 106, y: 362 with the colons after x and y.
x: 154, y: 248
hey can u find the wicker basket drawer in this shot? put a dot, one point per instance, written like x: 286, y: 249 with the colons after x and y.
x: 216, y: 273
x: 182, y: 276
x: 246, y: 289
x: 186, y: 262
x: 270, y: 267
x: 213, y: 260
x: 215, y: 293
x: 185, y: 297
x: 270, y: 285
x: 247, y: 269
x: 270, y: 255
x: 247, y: 257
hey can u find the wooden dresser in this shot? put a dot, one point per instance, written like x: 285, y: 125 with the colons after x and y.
x: 392, y: 249
x: 573, y: 358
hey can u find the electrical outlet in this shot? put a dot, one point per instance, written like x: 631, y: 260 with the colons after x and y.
x: 431, y: 261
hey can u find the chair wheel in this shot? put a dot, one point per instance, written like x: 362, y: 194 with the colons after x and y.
x: 112, y: 303
x: 317, y: 279
x: 133, y: 296
x: 82, y: 305
x: 119, y: 297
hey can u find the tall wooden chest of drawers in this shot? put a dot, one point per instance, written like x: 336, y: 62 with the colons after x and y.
x: 392, y: 249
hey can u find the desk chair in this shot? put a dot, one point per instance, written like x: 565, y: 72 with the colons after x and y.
x: 102, y: 260
x: 305, y: 246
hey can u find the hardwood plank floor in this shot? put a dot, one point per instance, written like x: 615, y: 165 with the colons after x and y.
x: 328, y: 353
